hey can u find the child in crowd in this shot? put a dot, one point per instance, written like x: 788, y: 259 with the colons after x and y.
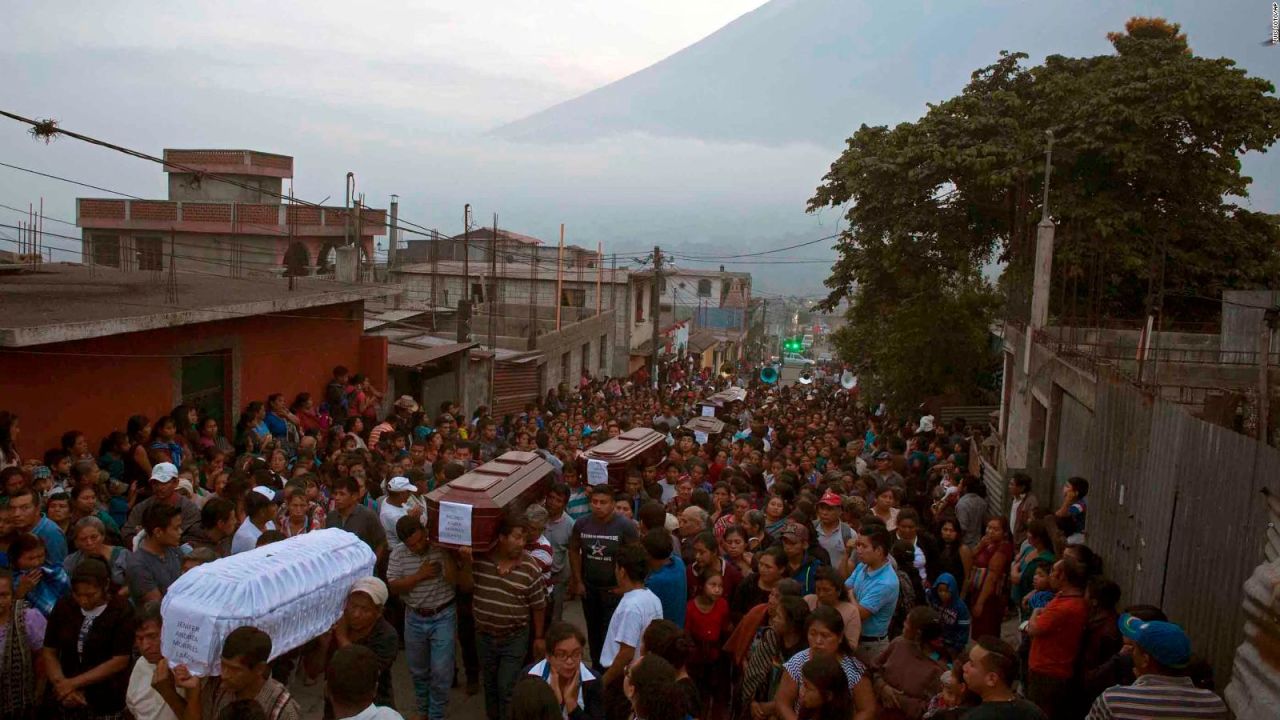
x: 707, y: 623
x: 1042, y: 595
x: 944, y: 598
x: 579, y: 499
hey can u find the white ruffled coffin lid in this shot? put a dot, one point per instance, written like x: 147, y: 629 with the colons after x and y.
x: 294, y: 590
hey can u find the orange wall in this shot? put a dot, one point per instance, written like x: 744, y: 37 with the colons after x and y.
x: 95, y: 385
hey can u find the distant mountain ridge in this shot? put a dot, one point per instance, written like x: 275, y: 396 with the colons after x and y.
x: 811, y: 71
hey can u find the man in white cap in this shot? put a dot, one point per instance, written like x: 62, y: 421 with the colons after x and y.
x: 164, y: 489
x: 362, y: 623
x: 393, y: 507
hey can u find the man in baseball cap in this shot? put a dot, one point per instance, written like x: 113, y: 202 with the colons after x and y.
x: 833, y: 534
x: 884, y: 474
x: 393, y: 507
x: 362, y: 623
x: 801, y: 566
x: 1161, y: 651
x: 164, y: 490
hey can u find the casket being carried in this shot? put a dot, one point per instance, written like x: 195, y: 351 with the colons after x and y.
x: 705, y: 429
x: 294, y: 590
x: 468, y: 511
x: 610, y: 460
x: 717, y: 403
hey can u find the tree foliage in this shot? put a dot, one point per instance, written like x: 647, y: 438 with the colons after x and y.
x: 1146, y: 151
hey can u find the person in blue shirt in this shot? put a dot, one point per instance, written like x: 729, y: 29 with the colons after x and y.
x: 27, y: 518
x: 874, y: 584
x: 666, y: 575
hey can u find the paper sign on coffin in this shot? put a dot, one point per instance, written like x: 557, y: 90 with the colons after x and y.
x: 293, y: 590
x: 468, y: 511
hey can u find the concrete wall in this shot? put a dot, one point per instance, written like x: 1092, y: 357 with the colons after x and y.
x: 513, y: 297
x: 570, y: 340
x: 248, y: 255
x: 95, y: 385
x: 185, y: 186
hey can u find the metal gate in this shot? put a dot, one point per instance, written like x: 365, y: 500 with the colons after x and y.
x: 514, y: 384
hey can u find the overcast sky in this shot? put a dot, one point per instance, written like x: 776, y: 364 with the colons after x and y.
x: 405, y: 94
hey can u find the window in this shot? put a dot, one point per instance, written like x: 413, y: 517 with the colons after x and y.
x: 106, y: 250
x: 573, y: 297
x: 479, y: 292
x: 640, y: 305
x: 150, y: 253
x: 604, y: 344
x: 564, y: 367
x: 704, y: 288
x: 586, y: 357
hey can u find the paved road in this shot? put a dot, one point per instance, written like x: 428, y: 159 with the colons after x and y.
x: 461, y: 706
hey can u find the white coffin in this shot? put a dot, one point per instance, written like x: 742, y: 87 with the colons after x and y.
x: 294, y: 590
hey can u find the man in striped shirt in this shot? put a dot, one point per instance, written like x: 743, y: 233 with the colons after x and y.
x: 509, y: 601
x: 423, y: 575
x: 1161, y: 650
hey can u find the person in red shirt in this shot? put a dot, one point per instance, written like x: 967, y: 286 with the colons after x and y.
x: 706, y: 621
x: 1056, y: 631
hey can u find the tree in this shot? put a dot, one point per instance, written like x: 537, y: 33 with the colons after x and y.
x: 1145, y: 160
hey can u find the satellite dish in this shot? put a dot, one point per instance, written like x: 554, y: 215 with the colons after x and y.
x: 848, y: 380
x: 806, y: 377
x: 768, y: 375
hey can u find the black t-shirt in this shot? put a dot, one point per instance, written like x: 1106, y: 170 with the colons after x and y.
x: 598, y: 542
x: 385, y: 644
x: 1016, y: 709
x: 110, y: 635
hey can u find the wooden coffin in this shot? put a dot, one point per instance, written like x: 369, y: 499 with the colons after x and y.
x: 637, y: 447
x: 710, y: 426
x: 515, y: 478
x: 725, y: 398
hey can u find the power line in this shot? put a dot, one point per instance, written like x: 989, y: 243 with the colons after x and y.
x: 806, y: 243
x: 69, y: 180
x: 42, y: 215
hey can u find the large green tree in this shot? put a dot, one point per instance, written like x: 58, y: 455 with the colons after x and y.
x: 1146, y: 153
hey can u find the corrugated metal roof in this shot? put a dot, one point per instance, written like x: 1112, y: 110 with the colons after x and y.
x: 407, y: 356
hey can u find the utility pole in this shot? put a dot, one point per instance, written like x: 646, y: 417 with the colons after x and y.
x: 1043, y: 267
x: 392, y: 232
x: 599, y: 276
x: 655, y: 307
x: 464, y: 303
x: 559, y: 277
x: 491, y: 298
x: 764, y: 327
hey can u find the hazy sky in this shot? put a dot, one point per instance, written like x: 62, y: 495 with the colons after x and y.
x: 404, y: 94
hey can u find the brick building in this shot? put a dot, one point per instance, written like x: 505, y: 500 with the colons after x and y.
x: 218, y: 227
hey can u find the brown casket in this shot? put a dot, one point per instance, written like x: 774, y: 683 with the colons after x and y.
x: 712, y: 427
x: 637, y: 447
x: 514, y: 478
x: 725, y: 398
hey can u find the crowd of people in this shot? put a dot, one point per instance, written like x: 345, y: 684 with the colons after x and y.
x: 820, y: 559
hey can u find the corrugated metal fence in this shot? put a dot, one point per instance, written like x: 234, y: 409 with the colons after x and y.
x: 1255, y: 677
x: 1176, y: 509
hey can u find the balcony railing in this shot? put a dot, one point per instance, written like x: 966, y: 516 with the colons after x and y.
x: 246, y: 218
